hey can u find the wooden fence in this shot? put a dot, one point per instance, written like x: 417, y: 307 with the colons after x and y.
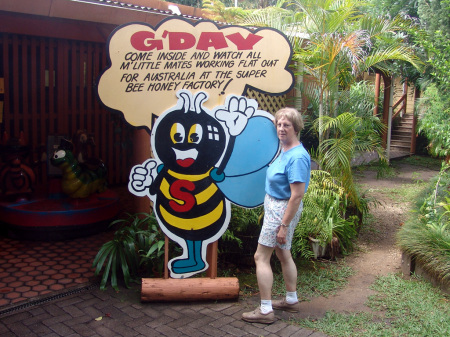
x: 49, y: 90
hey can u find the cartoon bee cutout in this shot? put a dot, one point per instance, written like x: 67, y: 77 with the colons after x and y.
x: 204, y: 160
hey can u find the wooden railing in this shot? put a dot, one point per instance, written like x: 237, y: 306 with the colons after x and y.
x: 399, y: 110
x: 402, y: 101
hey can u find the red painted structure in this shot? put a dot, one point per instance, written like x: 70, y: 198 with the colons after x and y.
x: 59, y: 218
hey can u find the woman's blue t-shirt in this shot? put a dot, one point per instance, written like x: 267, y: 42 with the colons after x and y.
x: 289, y: 167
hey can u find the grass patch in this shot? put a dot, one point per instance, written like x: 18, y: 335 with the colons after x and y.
x: 315, y: 278
x: 405, y: 193
x: 413, y: 306
x: 382, y: 169
x: 422, y: 161
x: 401, y: 308
x: 322, y: 278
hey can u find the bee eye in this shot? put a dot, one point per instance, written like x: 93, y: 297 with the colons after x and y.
x: 177, y: 133
x: 195, y: 134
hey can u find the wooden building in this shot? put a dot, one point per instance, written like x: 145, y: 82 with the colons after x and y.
x: 51, y: 54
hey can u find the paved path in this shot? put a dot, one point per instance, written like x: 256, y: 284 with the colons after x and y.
x: 89, y: 311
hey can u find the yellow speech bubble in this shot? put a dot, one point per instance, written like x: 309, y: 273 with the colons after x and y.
x: 148, y: 66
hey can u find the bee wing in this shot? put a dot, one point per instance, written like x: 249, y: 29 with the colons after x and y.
x: 247, y: 190
x: 254, y: 149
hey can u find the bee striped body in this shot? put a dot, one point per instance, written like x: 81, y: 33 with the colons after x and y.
x: 190, y: 206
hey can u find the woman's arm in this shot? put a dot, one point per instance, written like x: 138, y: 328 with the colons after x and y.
x: 297, y: 192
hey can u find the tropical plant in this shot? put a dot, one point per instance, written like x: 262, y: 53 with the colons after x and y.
x: 137, y: 247
x: 393, y: 7
x: 360, y: 99
x: 322, y: 218
x: 427, y: 236
x: 434, y: 15
x: 217, y: 11
x: 333, y: 43
x: 241, y: 236
x: 348, y: 136
x: 434, y: 117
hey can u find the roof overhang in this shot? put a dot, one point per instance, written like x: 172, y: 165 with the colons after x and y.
x: 102, y: 11
x: 90, y: 19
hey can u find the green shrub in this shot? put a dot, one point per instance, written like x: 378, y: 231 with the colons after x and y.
x: 427, y: 236
x: 135, y: 250
x: 323, y: 216
x: 238, y: 243
x: 434, y: 115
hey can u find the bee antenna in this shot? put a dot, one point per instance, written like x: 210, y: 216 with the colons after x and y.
x: 199, y: 99
x: 186, y: 101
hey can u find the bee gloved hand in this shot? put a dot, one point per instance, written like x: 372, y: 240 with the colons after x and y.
x: 237, y: 114
x: 141, y: 177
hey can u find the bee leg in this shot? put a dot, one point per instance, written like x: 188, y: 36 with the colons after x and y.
x: 194, y: 261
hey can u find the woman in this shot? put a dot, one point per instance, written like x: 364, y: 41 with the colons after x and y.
x: 287, y: 180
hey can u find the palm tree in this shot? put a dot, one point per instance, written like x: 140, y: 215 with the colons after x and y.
x: 334, y: 44
x: 348, y: 134
x: 340, y: 47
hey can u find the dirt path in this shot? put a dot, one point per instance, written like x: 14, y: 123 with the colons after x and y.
x: 377, y: 253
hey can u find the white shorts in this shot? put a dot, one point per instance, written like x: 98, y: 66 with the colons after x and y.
x: 274, y: 210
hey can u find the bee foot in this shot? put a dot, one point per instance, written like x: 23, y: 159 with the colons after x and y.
x: 187, y: 265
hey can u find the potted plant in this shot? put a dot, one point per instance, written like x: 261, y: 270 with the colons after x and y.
x: 322, y: 225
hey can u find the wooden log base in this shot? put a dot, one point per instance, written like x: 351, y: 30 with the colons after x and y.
x: 191, y: 289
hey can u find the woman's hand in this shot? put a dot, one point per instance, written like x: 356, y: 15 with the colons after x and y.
x: 281, y: 234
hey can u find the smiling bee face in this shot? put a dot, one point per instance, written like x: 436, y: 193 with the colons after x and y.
x: 189, y: 142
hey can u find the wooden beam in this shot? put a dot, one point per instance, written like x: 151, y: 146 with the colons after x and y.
x: 191, y: 289
x: 377, y: 93
x: 211, y: 258
x: 387, y: 90
x: 413, y: 131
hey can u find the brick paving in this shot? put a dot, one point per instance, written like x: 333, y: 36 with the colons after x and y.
x: 29, y: 269
x: 92, y: 312
x: 49, y: 289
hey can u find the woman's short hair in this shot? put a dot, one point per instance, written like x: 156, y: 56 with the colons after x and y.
x: 292, y: 115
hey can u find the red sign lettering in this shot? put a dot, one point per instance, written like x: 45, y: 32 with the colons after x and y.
x: 145, y: 41
x: 244, y: 44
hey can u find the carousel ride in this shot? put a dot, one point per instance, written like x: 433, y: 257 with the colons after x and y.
x: 76, y: 202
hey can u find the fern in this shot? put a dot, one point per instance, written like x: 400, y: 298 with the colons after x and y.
x: 323, y: 216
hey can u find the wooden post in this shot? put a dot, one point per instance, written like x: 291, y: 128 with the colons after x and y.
x: 413, y: 131
x: 166, y: 257
x: 405, y: 94
x: 190, y: 289
x: 377, y: 93
x: 387, y: 94
x: 142, y: 152
x: 211, y: 258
